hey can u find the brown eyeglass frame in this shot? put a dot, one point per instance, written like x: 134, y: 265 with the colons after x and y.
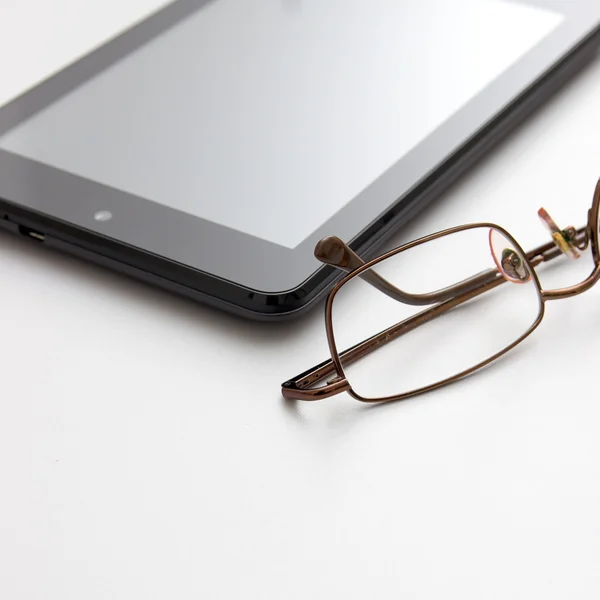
x: 333, y: 251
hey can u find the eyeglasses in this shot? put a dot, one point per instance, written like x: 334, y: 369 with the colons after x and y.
x: 436, y: 309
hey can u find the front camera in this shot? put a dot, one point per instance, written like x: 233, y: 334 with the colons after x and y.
x: 103, y: 215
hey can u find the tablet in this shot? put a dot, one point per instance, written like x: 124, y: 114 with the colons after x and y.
x: 208, y: 148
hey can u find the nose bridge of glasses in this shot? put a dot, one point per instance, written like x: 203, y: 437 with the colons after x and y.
x: 574, y: 290
x: 334, y: 251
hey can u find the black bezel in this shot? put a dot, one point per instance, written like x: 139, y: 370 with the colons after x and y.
x: 183, y: 252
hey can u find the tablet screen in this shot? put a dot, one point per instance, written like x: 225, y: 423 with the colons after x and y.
x: 269, y: 117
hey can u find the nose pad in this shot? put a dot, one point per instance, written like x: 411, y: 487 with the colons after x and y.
x: 563, y: 240
x: 509, y: 261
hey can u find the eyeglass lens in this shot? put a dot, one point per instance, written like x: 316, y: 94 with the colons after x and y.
x: 482, y: 322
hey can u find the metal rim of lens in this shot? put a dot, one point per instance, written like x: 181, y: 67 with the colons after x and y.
x: 329, y: 312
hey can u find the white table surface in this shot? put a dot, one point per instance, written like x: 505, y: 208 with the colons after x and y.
x: 128, y: 469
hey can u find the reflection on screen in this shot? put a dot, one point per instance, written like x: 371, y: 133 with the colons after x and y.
x: 268, y: 117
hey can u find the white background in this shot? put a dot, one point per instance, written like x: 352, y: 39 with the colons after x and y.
x: 145, y: 451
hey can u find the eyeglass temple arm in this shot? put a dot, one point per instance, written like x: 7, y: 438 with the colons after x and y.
x: 300, y: 386
x: 335, y: 252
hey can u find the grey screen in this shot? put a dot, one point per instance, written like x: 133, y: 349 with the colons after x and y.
x: 268, y: 117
